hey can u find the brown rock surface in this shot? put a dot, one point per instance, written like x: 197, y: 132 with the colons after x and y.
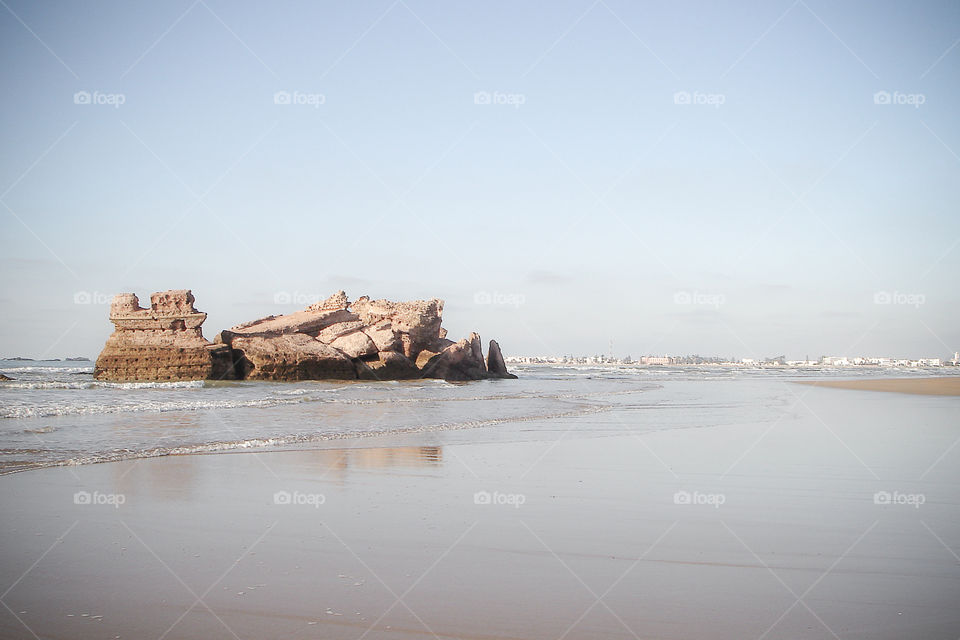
x: 294, y: 356
x: 495, y: 364
x: 336, y: 302
x: 462, y: 360
x: 372, y: 339
x: 415, y: 323
x: 389, y: 365
x: 334, y: 331
x: 355, y: 345
x: 162, y: 343
x: 310, y: 322
x: 384, y: 336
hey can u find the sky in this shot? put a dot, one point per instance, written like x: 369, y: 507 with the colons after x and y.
x: 741, y: 179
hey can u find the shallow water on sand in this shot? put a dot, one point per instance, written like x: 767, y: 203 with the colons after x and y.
x: 55, y: 413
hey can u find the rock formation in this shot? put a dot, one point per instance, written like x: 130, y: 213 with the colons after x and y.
x: 164, y: 342
x: 335, y: 339
x: 495, y: 364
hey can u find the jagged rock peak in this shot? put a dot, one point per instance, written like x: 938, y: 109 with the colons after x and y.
x: 336, y: 302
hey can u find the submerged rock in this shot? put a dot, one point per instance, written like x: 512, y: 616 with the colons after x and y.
x: 335, y: 339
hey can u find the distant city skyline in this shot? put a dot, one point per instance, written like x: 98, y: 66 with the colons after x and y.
x: 778, y: 361
x: 752, y: 179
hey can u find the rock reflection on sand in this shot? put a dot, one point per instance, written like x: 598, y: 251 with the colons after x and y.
x: 177, y: 477
x: 336, y: 463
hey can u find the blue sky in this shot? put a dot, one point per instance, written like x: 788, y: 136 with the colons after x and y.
x: 782, y: 211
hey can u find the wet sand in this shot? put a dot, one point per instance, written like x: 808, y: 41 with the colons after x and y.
x: 753, y: 529
x: 948, y: 386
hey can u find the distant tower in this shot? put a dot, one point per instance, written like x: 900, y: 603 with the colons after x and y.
x: 611, y: 350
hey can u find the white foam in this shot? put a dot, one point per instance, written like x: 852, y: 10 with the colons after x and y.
x: 48, y: 385
x: 51, y: 369
x: 46, y: 411
x: 59, y: 384
x: 301, y: 439
x: 189, y: 384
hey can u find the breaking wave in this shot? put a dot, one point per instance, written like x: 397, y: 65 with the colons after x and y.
x: 88, y: 369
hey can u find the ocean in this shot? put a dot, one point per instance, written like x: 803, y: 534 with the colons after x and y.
x: 55, y: 413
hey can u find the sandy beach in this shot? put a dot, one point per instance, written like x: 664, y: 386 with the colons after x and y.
x: 837, y: 518
x: 945, y: 386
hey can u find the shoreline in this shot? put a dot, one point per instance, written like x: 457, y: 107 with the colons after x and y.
x: 927, y: 386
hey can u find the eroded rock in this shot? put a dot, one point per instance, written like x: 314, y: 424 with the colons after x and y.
x: 461, y: 360
x: 356, y: 344
x: 389, y: 365
x: 415, y: 324
x: 495, y: 363
x: 162, y: 343
x: 369, y: 339
x: 295, y: 356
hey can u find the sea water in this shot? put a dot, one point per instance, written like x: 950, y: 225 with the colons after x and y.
x: 55, y: 413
